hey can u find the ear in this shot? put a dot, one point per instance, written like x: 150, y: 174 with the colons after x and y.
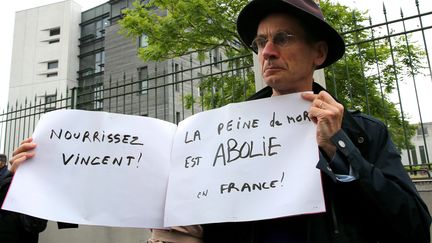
x: 321, y: 52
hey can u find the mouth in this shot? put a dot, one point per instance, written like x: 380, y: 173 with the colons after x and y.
x: 272, y: 69
x: 270, y: 65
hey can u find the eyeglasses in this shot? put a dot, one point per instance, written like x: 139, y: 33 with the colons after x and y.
x: 280, y: 39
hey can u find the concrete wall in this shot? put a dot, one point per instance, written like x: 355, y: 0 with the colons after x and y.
x: 425, y: 190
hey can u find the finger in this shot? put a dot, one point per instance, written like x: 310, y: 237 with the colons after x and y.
x: 27, y: 140
x: 24, y: 147
x: 22, y: 155
x: 309, y: 96
x: 329, y: 103
x: 19, y: 159
x: 326, y: 97
x: 314, y: 98
x: 322, y: 100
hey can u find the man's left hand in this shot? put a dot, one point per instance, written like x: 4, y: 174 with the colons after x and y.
x: 327, y: 113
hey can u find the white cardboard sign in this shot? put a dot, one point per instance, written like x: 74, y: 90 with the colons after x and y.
x: 99, y: 168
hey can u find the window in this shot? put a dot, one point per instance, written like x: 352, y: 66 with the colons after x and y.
x: 200, y: 91
x: 54, y: 31
x: 420, y: 130
x: 55, y: 74
x: 143, y: 78
x: 50, y: 102
x: 176, y: 77
x: 100, y: 27
x: 99, y: 62
x: 145, y: 2
x: 422, y: 154
x: 414, y: 156
x: 216, y: 57
x: 143, y: 41
x: 53, y: 64
x: 98, y: 97
x: 177, y: 117
x: 53, y: 41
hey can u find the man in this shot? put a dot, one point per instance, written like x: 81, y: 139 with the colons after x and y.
x: 368, y: 195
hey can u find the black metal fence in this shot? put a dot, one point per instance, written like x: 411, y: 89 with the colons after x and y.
x: 157, y: 93
x: 176, y: 91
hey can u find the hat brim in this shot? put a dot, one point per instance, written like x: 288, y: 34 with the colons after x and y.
x: 252, y: 14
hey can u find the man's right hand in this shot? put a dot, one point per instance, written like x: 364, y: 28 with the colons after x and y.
x: 22, y: 153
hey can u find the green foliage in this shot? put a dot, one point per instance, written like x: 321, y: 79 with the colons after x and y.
x: 195, y: 26
x: 198, y: 25
x: 222, y: 90
x: 366, y: 76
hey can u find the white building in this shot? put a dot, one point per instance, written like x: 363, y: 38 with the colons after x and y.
x: 422, y: 141
x: 45, y: 51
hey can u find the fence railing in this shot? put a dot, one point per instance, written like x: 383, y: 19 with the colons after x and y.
x: 173, y: 92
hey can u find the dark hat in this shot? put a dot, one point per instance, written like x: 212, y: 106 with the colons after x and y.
x: 306, y: 10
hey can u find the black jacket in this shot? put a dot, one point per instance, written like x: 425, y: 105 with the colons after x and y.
x: 16, y: 227
x: 382, y: 205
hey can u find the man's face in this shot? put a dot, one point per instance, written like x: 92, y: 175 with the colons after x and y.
x: 289, y: 67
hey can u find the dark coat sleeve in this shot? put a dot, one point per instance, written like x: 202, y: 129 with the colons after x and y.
x: 384, y: 182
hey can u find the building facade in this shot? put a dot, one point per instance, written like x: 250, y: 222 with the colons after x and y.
x: 45, y: 50
x: 109, y: 60
x: 420, y: 153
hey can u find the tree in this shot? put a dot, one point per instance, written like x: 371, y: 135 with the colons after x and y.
x: 198, y: 25
x: 366, y: 76
x: 195, y: 26
x: 201, y: 25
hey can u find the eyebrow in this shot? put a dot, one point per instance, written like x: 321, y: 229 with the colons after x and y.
x: 279, y: 30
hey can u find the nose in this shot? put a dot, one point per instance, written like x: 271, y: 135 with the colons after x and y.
x: 270, y: 51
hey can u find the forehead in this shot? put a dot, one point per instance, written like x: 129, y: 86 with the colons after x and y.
x: 280, y: 22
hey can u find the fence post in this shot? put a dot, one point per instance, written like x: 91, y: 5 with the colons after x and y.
x: 74, y: 98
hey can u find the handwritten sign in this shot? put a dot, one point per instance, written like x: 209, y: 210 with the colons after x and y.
x: 96, y: 168
x: 247, y: 161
